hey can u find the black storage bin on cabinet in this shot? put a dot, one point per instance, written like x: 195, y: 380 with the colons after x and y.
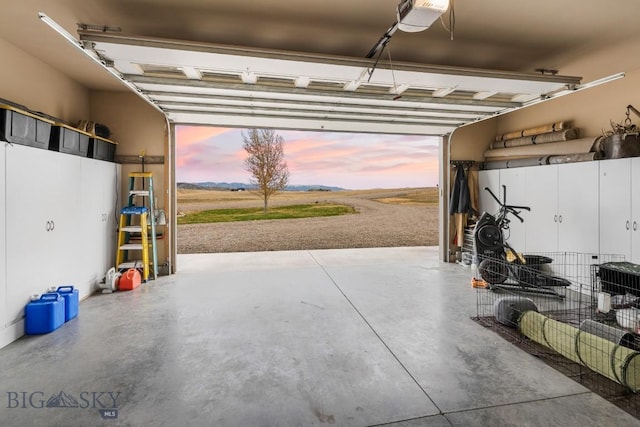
x: 68, y: 140
x: 102, y: 149
x: 620, y: 278
x: 21, y: 127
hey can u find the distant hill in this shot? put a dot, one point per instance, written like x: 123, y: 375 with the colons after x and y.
x: 239, y: 185
x: 212, y: 185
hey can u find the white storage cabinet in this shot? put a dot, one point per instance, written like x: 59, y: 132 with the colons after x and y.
x: 57, y: 226
x: 620, y: 208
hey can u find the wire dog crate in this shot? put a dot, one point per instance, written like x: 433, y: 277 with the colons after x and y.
x: 584, y: 322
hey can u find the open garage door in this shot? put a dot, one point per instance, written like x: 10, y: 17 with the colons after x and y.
x: 207, y: 84
x: 195, y: 83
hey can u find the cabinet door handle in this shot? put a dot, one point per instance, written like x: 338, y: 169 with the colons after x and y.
x: 635, y: 226
x: 627, y: 225
x: 560, y: 218
x: 555, y: 218
x: 48, y: 226
x: 53, y: 225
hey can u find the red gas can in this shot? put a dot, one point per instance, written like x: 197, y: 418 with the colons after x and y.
x: 129, y: 280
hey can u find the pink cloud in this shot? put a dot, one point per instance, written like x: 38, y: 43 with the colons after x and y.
x: 345, y: 160
x: 188, y: 135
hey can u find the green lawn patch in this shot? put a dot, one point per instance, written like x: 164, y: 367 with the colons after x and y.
x: 277, y: 212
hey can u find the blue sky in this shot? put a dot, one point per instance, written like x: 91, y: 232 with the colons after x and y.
x: 347, y: 160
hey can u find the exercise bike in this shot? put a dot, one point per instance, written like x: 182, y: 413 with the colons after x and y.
x: 501, y: 266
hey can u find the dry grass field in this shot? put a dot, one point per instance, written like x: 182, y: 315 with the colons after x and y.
x: 384, y: 218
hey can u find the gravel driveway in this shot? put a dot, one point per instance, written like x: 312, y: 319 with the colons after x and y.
x: 376, y: 224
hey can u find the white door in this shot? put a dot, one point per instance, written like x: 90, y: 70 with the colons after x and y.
x: 578, y: 204
x: 98, y: 191
x: 112, y: 204
x: 541, y: 224
x: 93, y: 223
x: 634, y: 195
x: 615, y: 207
x: 42, y: 199
x: 516, y: 195
x: 109, y: 210
x: 3, y: 266
x: 488, y: 179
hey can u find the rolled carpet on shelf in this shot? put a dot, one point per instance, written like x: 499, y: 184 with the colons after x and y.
x: 516, y: 163
x: 575, y: 158
x: 501, y: 158
x: 552, y: 127
x: 563, y: 135
x: 498, y: 164
x: 575, y: 146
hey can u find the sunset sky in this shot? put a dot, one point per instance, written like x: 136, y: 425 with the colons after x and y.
x: 347, y: 160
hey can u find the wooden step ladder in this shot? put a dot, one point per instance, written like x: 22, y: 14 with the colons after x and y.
x: 136, y: 220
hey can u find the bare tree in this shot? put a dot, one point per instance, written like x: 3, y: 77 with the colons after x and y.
x: 265, y: 162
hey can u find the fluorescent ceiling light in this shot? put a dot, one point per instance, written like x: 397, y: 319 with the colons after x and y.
x: 576, y: 88
x: 91, y: 54
x: 418, y: 15
x: 60, y: 30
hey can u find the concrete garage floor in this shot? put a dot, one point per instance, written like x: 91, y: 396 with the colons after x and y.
x: 350, y: 337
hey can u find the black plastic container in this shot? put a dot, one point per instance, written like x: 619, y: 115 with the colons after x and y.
x: 68, y: 140
x: 620, y: 278
x: 21, y: 127
x: 102, y: 149
x: 528, y: 272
